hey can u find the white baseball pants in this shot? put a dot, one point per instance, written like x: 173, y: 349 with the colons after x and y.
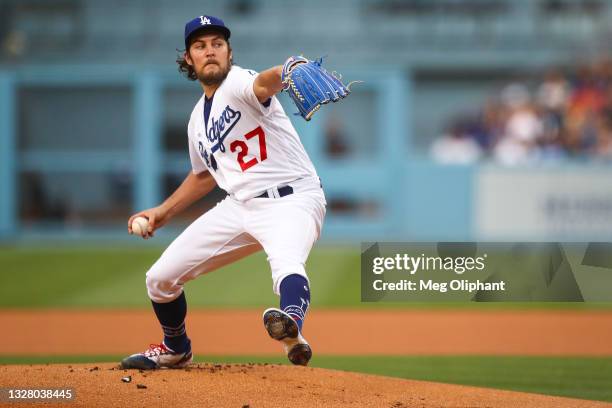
x: 286, y: 228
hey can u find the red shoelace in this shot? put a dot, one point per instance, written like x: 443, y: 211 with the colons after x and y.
x: 156, y: 350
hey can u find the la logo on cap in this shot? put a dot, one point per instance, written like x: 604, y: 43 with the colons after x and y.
x: 204, y: 20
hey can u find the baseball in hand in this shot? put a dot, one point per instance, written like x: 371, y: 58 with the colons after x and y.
x: 140, y: 226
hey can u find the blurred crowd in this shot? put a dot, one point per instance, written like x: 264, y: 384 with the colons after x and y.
x: 565, y: 114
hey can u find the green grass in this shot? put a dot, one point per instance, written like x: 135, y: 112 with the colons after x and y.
x: 577, y: 377
x: 115, y: 277
x: 85, y: 277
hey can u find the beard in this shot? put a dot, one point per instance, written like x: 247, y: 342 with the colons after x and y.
x: 214, y: 78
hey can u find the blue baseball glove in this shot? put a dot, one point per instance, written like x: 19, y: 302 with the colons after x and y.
x: 310, y: 85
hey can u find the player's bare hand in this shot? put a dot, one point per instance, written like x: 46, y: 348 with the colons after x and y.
x: 157, y: 217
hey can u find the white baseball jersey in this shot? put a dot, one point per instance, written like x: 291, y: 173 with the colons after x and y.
x: 247, y: 146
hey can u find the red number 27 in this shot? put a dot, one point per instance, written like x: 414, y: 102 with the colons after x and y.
x: 243, y: 148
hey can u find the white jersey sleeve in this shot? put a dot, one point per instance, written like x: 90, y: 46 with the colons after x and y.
x: 241, y: 85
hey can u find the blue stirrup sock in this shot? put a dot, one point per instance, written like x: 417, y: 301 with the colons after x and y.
x: 171, y: 316
x: 295, y: 297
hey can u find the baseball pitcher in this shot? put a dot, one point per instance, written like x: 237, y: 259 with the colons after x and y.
x: 241, y: 140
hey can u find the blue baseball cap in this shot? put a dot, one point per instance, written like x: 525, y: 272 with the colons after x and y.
x: 202, y: 23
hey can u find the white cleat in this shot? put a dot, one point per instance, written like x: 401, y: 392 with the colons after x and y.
x: 158, y: 356
x: 282, y: 327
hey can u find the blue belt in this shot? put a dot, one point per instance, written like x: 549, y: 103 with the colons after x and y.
x: 282, y: 191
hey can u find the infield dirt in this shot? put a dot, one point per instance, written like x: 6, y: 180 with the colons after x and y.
x: 241, y: 332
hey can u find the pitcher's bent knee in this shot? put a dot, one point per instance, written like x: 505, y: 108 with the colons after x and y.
x: 161, y: 289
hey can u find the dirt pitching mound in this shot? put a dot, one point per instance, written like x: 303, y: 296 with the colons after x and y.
x: 257, y: 385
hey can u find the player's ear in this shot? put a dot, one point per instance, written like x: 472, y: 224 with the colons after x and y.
x: 187, y: 58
